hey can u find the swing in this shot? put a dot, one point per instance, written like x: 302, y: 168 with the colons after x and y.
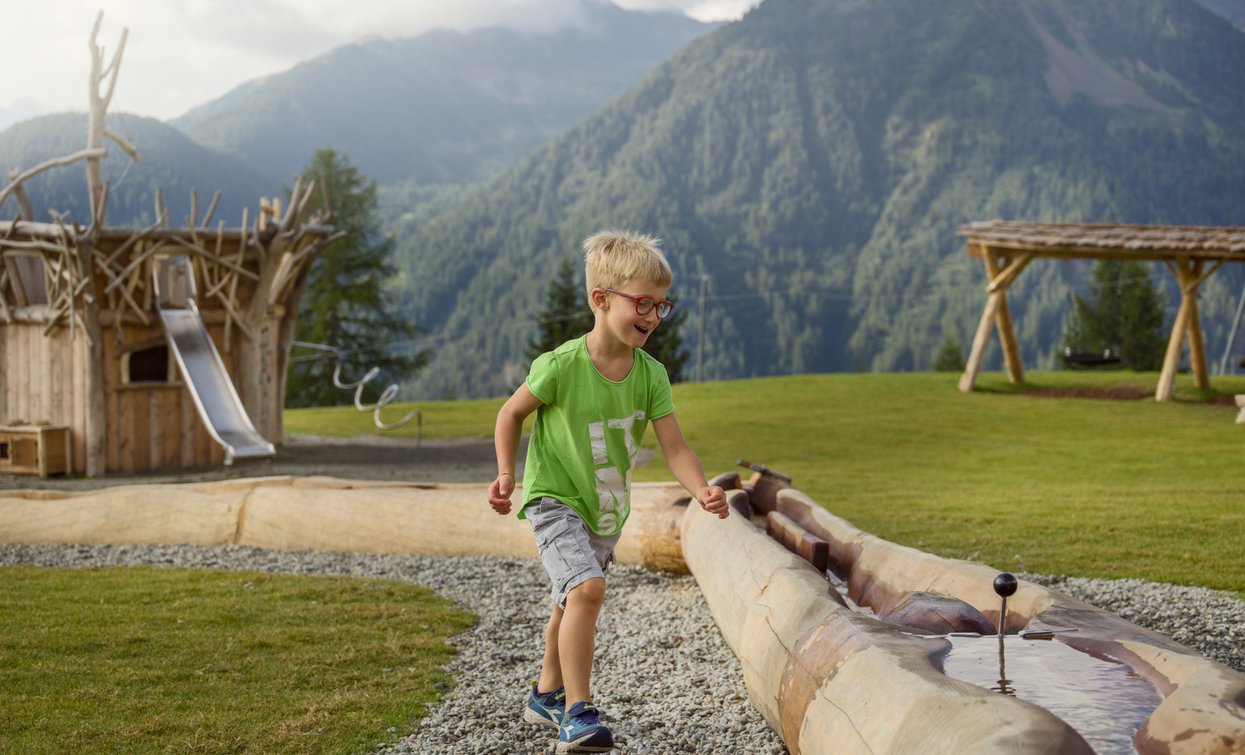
x: 1104, y: 358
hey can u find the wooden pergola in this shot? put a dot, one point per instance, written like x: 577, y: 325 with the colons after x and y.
x: 1192, y: 253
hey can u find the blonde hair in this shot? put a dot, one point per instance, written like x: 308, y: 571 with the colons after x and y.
x: 612, y: 258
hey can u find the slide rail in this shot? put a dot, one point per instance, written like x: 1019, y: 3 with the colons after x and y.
x: 213, y: 392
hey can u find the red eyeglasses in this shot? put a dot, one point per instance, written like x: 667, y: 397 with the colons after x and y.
x: 645, y: 304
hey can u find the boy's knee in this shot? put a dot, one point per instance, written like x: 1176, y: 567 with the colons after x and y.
x: 588, y: 591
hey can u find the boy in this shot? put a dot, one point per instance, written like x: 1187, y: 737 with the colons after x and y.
x: 593, y: 397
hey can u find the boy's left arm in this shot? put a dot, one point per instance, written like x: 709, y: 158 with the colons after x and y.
x: 685, y: 466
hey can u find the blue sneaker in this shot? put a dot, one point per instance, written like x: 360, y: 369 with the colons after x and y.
x: 582, y: 731
x: 547, y: 709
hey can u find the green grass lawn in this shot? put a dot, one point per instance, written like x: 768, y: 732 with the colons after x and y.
x: 1103, y: 488
x: 440, y: 419
x: 1064, y: 486
x: 174, y: 660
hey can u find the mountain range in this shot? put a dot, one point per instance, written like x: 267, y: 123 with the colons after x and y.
x: 446, y: 107
x: 422, y: 116
x: 814, y: 160
x: 168, y: 160
x: 810, y: 163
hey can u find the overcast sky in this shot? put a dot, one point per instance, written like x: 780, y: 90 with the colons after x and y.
x: 182, y: 53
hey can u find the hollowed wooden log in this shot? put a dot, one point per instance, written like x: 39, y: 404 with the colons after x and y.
x: 1203, y: 705
x: 937, y: 614
x: 321, y: 513
x: 834, y: 681
x: 798, y: 540
x: 763, y: 492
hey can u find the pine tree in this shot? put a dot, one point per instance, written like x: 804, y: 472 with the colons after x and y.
x: 1124, y: 316
x: 566, y: 315
x: 950, y: 357
x: 344, y: 302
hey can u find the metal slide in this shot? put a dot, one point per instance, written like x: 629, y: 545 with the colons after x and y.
x: 213, y: 392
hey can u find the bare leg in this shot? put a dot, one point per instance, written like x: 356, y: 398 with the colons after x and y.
x: 577, y: 638
x: 550, y: 667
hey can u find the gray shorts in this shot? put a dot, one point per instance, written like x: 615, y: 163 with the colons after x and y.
x: 571, y: 552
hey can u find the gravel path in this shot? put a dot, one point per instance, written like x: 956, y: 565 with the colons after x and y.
x: 664, y: 678
x: 367, y: 457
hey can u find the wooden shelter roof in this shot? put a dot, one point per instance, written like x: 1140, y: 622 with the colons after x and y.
x: 1192, y: 253
x: 1099, y: 240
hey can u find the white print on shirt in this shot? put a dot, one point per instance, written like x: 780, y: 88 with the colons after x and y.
x: 613, y: 493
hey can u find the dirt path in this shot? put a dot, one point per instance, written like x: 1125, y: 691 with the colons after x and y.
x: 363, y: 458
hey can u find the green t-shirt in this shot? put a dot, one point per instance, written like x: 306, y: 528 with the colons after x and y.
x: 588, y: 432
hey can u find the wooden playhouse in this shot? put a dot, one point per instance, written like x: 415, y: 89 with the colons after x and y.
x: 133, y: 349
x: 104, y: 370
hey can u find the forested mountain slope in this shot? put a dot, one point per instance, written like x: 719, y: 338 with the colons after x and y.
x: 168, y: 160
x: 815, y: 158
x: 1232, y: 10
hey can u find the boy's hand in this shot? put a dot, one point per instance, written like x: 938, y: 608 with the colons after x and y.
x: 499, y: 493
x: 713, y: 500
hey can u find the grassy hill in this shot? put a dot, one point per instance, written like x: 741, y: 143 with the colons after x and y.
x: 815, y: 158
x: 1006, y: 475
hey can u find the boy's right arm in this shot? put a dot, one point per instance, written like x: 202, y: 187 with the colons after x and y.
x: 506, y: 437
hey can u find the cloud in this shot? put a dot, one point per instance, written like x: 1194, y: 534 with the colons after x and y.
x: 182, y: 53
x: 704, y: 10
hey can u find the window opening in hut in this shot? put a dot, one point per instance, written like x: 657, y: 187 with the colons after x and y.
x: 29, y: 269
x: 150, y: 365
x: 4, y: 450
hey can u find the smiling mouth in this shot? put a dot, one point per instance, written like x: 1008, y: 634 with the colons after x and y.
x: 642, y: 329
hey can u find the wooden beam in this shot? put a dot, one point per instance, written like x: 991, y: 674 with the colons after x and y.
x: 1118, y: 251
x: 1190, y: 274
x: 969, y: 378
x: 1197, y: 346
x: 95, y: 386
x: 1183, y: 269
x: 1007, y: 336
x: 1009, y: 273
x: 1001, y: 270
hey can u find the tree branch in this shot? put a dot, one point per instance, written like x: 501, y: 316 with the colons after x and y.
x: 57, y: 162
x: 123, y: 143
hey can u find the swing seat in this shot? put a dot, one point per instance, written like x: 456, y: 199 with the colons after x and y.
x: 1103, y: 358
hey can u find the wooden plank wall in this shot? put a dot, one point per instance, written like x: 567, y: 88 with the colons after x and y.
x: 4, y: 371
x: 157, y: 426
x: 38, y: 375
x: 40, y: 380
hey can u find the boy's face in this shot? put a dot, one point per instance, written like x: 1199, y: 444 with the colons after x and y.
x: 631, y: 312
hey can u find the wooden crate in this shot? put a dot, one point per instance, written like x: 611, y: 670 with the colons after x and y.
x: 34, y: 449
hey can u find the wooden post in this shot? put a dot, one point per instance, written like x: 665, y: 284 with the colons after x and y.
x: 1003, y: 318
x: 95, y: 388
x: 969, y: 378
x: 1001, y: 273
x: 1171, y: 360
x: 1197, y: 346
